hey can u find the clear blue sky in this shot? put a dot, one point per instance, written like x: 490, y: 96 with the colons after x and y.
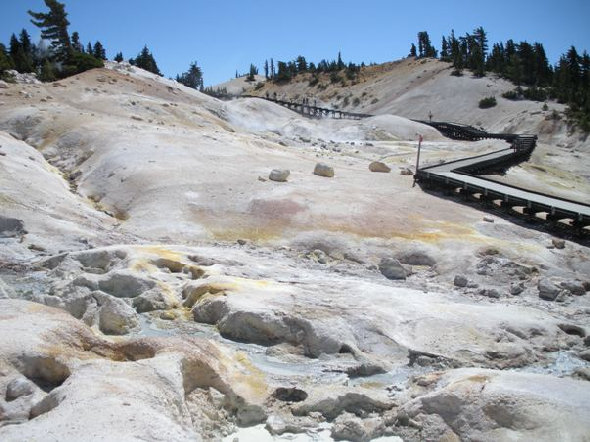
x: 225, y: 35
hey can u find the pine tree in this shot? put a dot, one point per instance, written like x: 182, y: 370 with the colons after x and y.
x: 413, y: 50
x: 302, y: 63
x: 119, y: 57
x: 145, y: 60
x: 76, y: 45
x: 272, y: 68
x: 425, y: 48
x: 47, y: 72
x: 98, y: 51
x: 89, y: 48
x: 266, y: 69
x: 479, y: 51
x: 54, y: 27
x: 252, y: 73
x: 5, y: 60
x: 340, y: 64
x: 444, y: 51
x: 192, y: 78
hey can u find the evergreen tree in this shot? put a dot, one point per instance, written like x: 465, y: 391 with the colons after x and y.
x: 479, y: 51
x: 47, y: 72
x: 145, y: 60
x: 192, y: 78
x: 5, y: 60
x: 444, y: 51
x: 27, y: 45
x: 283, y: 72
x: 425, y: 48
x: 340, y: 64
x: 76, y: 45
x: 301, y: 64
x: 119, y: 57
x: 98, y: 51
x: 272, y: 68
x: 252, y: 73
x: 89, y: 48
x: 54, y: 27
x: 266, y: 69
x: 413, y: 50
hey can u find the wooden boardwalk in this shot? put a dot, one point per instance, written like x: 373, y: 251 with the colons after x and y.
x: 459, y: 177
x: 314, y: 111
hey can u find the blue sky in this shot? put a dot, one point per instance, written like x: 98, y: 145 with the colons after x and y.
x: 226, y: 35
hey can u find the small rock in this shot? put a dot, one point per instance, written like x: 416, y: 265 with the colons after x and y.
x: 115, y: 316
x: 575, y: 287
x: 153, y: 299
x: 322, y: 169
x: 279, y: 175
x: 516, y: 288
x: 547, y: 289
x: 168, y: 315
x: 406, y: 171
x: 489, y: 292
x: 460, y: 281
x: 19, y: 387
x: 3, y: 84
x: 378, y: 166
x: 349, y: 427
x: 488, y: 219
x: 583, y: 373
x: 242, y: 242
x: 318, y: 256
x: 391, y: 268
x: 11, y: 227
x: 558, y: 243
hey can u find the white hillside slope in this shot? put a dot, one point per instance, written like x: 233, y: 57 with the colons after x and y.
x: 155, y: 284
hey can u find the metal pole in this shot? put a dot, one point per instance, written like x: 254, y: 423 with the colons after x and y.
x: 417, y: 158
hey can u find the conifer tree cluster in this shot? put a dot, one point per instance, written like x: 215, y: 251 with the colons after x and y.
x: 65, y: 55
x: 192, y: 78
x: 287, y: 70
x: 524, y: 64
x: 145, y: 60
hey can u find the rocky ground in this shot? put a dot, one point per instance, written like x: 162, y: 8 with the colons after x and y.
x: 171, y: 268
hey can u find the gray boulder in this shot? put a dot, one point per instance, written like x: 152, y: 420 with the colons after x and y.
x: 516, y: 288
x: 125, y: 284
x: 547, y: 289
x: 322, y: 169
x: 575, y: 287
x: 347, y: 426
x: 116, y: 317
x: 460, y: 281
x: 279, y: 175
x: 11, y: 227
x: 154, y: 299
x: 558, y: 243
x: 391, y: 268
x: 19, y: 387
